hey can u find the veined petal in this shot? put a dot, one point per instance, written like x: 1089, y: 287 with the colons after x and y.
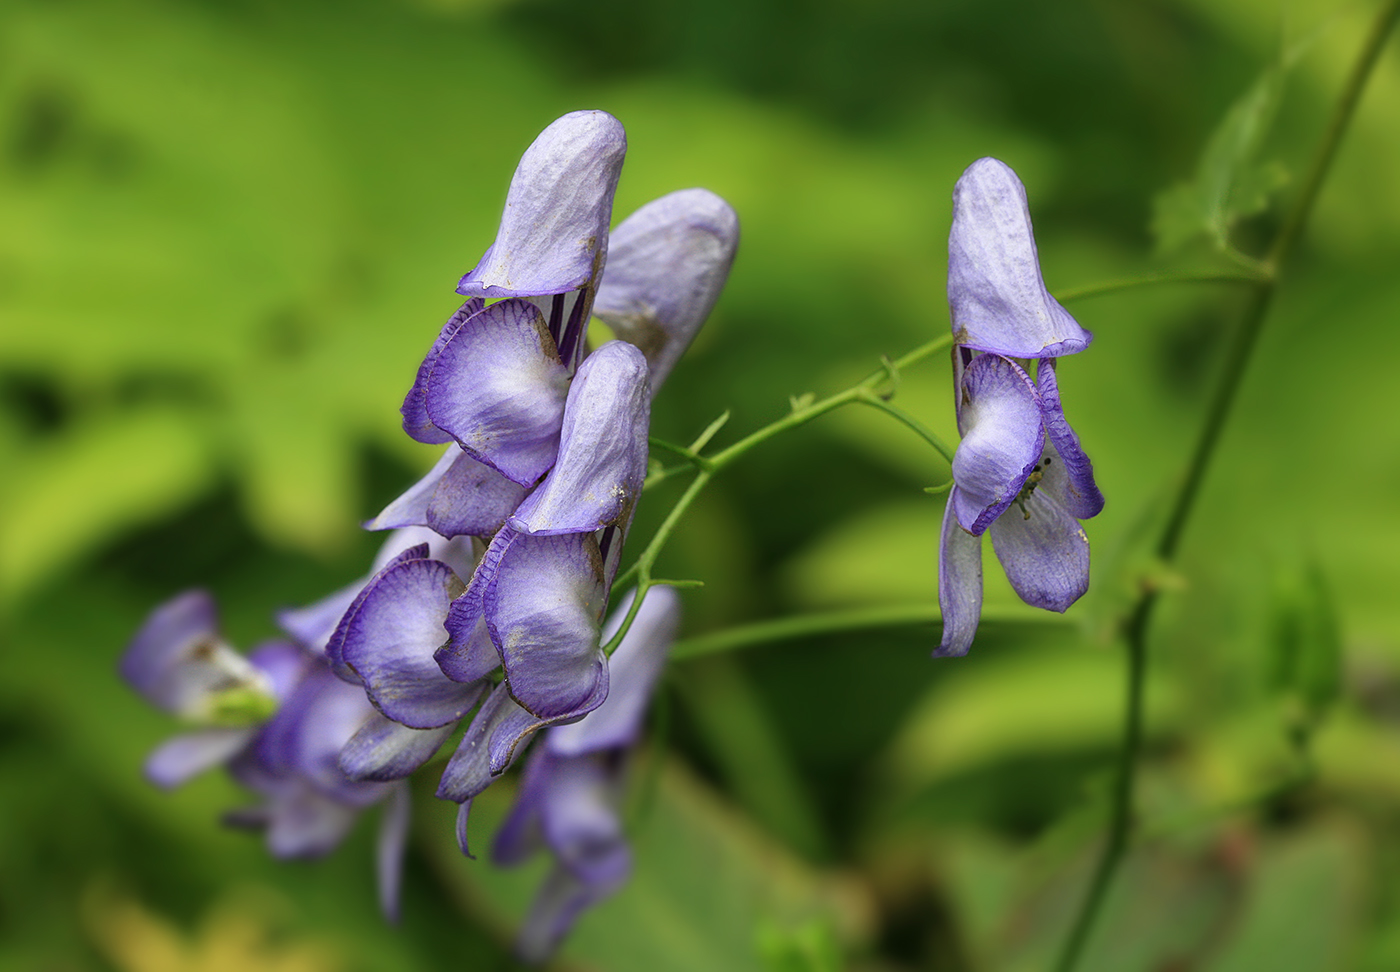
x: 313, y: 625
x: 469, y: 654
x: 498, y: 387
x: 389, y: 640
x: 1044, y: 550
x: 632, y: 673
x: 554, y: 231
x: 543, y: 608
x: 458, y: 497
x: 1003, y: 436
x: 996, y: 294
x: 602, y: 449
x: 1081, y: 497
x: 178, y: 662
x: 383, y: 749
x: 414, y: 409
x: 411, y: 508
x: 335, y: 645
x: 488, y: 747
x: 667, y: 264
x: 388, y: 851
x: 183, y: 757
x: 959, y: 584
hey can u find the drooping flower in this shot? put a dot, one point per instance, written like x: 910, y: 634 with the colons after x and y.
x: 572, y: 788
x: 1019, y: 472
x: 285, y: 745
x: 667, y: 264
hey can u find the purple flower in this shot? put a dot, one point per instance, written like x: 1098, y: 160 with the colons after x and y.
x: 179, y: 662
x: 1019, y: 471
x: 667, y: 264
x: 572, y: 787
x: 496, y: 378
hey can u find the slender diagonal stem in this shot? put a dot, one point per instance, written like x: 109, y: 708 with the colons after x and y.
x: 1153, y: 279
x: 1242, y: 345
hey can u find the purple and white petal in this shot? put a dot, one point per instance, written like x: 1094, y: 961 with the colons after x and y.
x: 389, y: 638
x: 667, y: 264
x: 1044, y: 550
x: 554, y: 231
x: 996, y: 293
x: 335, y: 644
x: 959, y: 584
x: 602, y: 451
x: 472, y: 499
x: 414, y: 409
x: 1003, y: 436
x: 178, y: 662
x: 581, y: 822
x: 383, y: 749
x: 480, y: 758
x: 1082, y: 497
x: 498, y: 387
x: 543, y: 608
x: 469, y: 654
x: 183, y: 757
x: 411, y: 507
x: 632, y: 673
x: 389, y: 848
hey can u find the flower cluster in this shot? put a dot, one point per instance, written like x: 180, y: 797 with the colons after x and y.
x: 1019, y: 473
x: 490, y: 595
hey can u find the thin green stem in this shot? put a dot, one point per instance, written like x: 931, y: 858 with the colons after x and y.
x: 1217, y: 414
x: 1154, y: 279
x: 927, y: 434
x: 804, y: 625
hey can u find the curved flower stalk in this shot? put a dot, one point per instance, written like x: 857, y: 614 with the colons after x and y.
x: 572, y: 788
x: 287, y: 751
x: 1019, y: 472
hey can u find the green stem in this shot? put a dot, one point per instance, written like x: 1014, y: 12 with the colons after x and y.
x: 875, y: 401
x: 1217, y: 414
x: 708, y: 466
x: 803, y: 625
x: 1153, y: 279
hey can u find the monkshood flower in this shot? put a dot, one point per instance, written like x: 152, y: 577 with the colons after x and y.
x: 496, y: 379
x: 1019, y: 471
x: 179, y: 662
x: 667, y: 264
x: 572, y: 788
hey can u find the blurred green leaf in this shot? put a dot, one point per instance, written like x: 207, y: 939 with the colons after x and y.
x: 1230, y: 183
x: 1304, y: 640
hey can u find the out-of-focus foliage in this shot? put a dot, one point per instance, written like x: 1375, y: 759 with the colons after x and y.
x: 229, y: 229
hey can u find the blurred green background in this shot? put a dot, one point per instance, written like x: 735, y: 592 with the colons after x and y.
x: 228, y: 231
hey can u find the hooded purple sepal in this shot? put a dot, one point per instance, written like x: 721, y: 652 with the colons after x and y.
x: 667, y: 264
x: 469, y: 654
x: 543, y: 607
x: 999, y: 416
x: 335, y: 644
x: 959, y: 584
x: 388, y: 639
x: 602, y: 451
x: 383, y: 749
x: 498, y: 388
x: 179, y: 663
x: 414, y: 409
x: 554, y: 232
x: 458, y: 497
x: 1040, y: 544
x: 1082, y: 498
x: 996, y: 294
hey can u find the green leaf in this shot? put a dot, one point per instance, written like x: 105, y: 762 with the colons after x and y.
x: 1230, y: 182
